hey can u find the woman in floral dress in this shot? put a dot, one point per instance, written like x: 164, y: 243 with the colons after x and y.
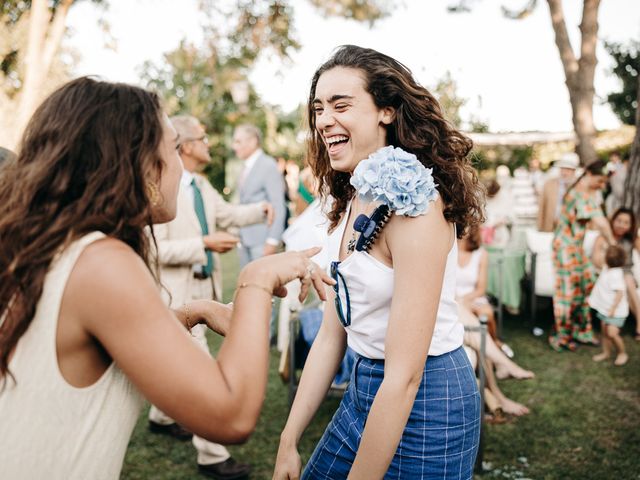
x: 574, y: 272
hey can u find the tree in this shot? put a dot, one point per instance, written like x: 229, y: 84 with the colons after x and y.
x: 626, y: 68
x: 632, y: 187
x: 200, y: 80
x: 579, y: 72
x: 32, y: 32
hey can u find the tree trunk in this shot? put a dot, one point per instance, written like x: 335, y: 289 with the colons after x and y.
x: 579, y: 74
x: 45, y: 35
x: 632, y: 185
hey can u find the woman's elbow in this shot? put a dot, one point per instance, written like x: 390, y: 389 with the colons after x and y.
x: 405, y: 384
x: 231, y: 431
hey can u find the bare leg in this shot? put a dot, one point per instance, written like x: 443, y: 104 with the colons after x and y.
x: 492, y: 328
x: 506, y: 404
x: 606, y: 345
x: 505, y: 367
x: 614, y: 334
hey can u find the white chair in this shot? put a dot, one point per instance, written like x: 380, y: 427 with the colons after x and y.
x: 542, y: 274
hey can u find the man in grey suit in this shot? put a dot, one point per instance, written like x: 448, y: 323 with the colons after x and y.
x: 260, y: 180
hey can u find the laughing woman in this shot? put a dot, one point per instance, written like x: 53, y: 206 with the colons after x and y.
x: 84, y: 333
x: 382, y: 150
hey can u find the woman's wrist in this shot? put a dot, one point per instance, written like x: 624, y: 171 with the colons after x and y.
x: 256, y: 275
x: 289, y: 439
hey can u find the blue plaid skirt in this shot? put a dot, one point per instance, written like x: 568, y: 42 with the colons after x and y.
x: 440, y: 440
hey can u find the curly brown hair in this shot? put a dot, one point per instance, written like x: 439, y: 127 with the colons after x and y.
x: 81, y: 167
x: 419, y: 127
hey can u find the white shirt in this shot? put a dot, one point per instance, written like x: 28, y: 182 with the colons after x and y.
x: 467, y: 276
x: 185, y: 182
x: 370, y: 286
x: 610, y: 282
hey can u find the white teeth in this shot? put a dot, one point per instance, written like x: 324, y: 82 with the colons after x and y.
x: 337, y: 138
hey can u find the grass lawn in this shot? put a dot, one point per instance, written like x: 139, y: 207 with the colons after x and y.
x: 584, y: 424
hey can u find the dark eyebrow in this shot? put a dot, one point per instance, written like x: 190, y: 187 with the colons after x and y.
x: 334, y: 98
x: 177, y: 138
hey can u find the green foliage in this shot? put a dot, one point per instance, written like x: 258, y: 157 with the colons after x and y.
x: 369, y: 11
x: 626, y: 68
x: 520, y: 157
x: 446, y: 92
x: 198, y: 82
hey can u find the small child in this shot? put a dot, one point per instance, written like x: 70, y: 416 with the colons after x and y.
x: 609, y: 300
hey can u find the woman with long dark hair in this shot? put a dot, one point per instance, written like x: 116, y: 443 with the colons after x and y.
x: 625, y: 230
x: 84, y: 333
x: 384, y: 153
x: 573, y: 269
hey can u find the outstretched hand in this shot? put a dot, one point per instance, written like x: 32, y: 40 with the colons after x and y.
x: 280, y: 269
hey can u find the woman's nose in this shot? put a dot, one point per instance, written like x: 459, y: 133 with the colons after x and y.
x: 324, y: 119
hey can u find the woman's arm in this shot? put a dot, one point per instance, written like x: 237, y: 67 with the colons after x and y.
x: 320, y: 368
x: 215, y: 315
x: 602, y: 225
x: 481, y: 281
x: 419, y: 260
x: 120, y: 307
x: 599, y: 248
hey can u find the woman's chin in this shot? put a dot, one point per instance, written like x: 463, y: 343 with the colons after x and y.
x: 342, y: 165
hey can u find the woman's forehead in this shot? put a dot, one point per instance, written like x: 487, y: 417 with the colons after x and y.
x: 339, y: 81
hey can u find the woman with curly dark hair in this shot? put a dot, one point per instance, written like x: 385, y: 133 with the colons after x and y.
x: 83, y: 329
x: 402, y: 190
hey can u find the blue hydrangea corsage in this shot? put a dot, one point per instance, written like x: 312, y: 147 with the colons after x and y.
x: 397, y: 179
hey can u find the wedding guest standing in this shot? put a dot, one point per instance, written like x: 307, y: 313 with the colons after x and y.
x: 84, y: 333
x: 574, y: 272
x: 379, y: 141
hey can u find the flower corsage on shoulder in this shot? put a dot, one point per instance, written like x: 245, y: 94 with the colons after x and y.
x: 399, y: 182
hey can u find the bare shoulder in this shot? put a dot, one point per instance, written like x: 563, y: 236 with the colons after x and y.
x: 108, y: 264
x: 431, y: 223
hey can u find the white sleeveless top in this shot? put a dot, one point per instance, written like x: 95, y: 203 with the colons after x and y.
x: 468, y: 274
x: 50, y: 429
x: 370, y: 285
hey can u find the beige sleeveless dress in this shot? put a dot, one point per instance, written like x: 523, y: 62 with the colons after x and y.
x: 48, y: 428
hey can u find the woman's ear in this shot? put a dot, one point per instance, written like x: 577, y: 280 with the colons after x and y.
x: 388, y: 114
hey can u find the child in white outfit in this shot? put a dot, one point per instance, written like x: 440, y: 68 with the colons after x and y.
x: 609, y: 300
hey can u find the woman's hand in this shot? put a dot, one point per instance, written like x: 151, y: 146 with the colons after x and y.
x: 215, y: 315
x: 275, y: 271
x: 288, y: 463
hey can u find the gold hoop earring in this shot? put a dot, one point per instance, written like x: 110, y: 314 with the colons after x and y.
x: 153, y: 193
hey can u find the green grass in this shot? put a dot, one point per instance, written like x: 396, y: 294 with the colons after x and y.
x: 584, y: 424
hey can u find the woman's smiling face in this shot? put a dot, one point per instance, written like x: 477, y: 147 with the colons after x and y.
x: 621, y: 225
x: 350, y: 124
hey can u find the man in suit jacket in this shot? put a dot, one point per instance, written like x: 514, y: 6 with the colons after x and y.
x: 188, y: 249
x: 260, y: 180
x: 554, y: 190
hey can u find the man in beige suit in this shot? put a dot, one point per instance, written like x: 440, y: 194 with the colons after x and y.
x: 553, y: 191
x: 188, y: 249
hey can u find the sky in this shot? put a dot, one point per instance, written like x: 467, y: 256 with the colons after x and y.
x: 509, y: 71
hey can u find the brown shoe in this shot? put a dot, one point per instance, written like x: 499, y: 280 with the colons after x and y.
x: 175, y: 430
x: 227, y: 470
